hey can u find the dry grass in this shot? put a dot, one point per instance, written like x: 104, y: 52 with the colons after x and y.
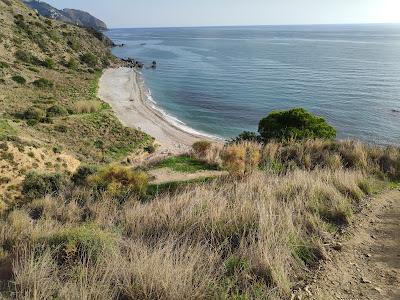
x: 335, y: 155
x: 86, y: 107
x: 250, y: 238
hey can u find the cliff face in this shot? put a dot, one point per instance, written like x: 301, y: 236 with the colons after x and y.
x: 73, y: 16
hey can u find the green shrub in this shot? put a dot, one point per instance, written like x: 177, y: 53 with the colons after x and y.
x: 150, y: 149
x: 56, y: 111
x: 39, y: 185
x: 57, y: 149
x: 27, y: 57
x: 19, y: 79
x: 90, y: 59
x: 82, y: 174
x: 72, y: 64
x: 74, y: 44
x: 3, y: 65
x: 33, y: 69
x: 48, y: 63
x: 33, y: 113
x: 43, y: 83
x: 80, y: 243
x: 294, y: 124
x: 119, y: 181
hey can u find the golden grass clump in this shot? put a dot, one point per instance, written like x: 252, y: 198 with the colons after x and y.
x: 86, y: 107
x: 241, y: 158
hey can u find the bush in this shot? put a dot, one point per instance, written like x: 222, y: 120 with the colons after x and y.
x: 72, y: 64
x: 80, y: 243
x: 3, y: 65
x: 233, y: 159
x: 120, y: 181
x: 201, y: 149
x: 33, y: 113
x: 27, y: 57
x: 241, y: 158
x: 39, y: 185
x: 294, y: 124
x: 89, y: 59
x: 150, y: 149
x: 82, y: 174
x: 19, y: 79
x: 48, y: 63
x: 56, y: 111
x: 43, y: 83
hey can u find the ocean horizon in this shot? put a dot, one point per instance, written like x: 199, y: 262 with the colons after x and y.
x: 223, y: 80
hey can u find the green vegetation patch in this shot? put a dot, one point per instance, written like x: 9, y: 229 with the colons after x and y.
x: 43, y: 83
x: 36, y: 186
x: 6, y: 129
x: 185, y: 164
x: 3, y: 65
x: 19, y: 79
x: 83, y: 242
x: 295, y: 124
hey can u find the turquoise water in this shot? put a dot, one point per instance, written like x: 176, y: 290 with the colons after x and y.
x: 223, y: 80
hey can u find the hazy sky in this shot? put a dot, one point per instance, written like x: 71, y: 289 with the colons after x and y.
x: 165, y: 13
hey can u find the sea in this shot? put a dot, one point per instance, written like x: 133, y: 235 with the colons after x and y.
x: 223, y: 80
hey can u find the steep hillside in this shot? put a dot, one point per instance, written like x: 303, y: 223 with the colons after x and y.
x: 84, y: 19
x: 73, y: 16
x: 48, y: 80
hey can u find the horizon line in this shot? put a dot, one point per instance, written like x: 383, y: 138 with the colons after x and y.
x: 260, y: 25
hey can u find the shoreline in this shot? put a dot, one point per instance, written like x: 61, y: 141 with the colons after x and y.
x: 124, y: 89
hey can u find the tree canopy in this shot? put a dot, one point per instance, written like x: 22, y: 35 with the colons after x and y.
x: 297, y: 124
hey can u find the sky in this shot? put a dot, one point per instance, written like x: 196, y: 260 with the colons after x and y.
x: 187, y: 13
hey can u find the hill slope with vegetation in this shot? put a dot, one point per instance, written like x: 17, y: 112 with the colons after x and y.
x: 49, y: 73
x: 72, y: 16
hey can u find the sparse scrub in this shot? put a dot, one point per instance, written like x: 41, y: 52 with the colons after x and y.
x: 89, y: 59
x: 43, y: 83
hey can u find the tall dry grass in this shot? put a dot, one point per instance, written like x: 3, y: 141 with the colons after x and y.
x: 251, y: 238
x: 86, y: 107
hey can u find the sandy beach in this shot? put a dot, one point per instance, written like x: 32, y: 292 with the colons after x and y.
x: 124, y: 91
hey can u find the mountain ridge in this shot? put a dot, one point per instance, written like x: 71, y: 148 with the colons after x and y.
x: 72, y: 16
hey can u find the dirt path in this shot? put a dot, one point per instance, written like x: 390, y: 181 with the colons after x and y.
x: 368, y: 265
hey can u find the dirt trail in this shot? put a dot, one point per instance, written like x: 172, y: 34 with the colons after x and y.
x: 368, y: 265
